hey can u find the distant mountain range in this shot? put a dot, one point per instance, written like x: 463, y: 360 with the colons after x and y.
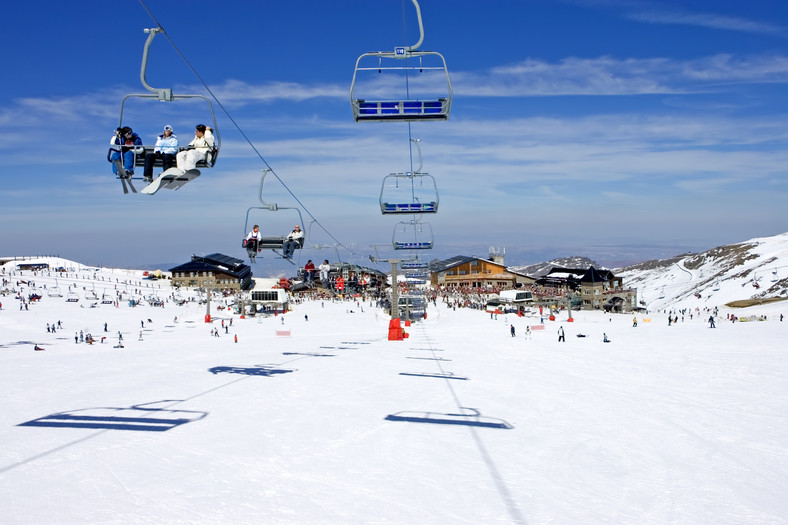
x: 741, y: 274
x: 540, y: 269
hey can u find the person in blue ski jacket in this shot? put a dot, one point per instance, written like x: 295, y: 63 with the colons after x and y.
x: 166, y: 149
x: 124, y: 144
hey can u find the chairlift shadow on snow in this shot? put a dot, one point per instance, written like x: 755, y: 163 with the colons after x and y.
x: 444, y: 375
x: 142, y: 417
x: 19, y: 343
x: 309, y: 354
x: 249, y: 371
x: 470, y: 417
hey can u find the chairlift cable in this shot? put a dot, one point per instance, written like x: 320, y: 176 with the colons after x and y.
x: 407, y: 89
x: 240, y: 130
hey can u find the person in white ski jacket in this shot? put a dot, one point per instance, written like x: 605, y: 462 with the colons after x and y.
x: 166, y: 148
x: 324, y: 269
x: 199, y: 148
x: 295, y: 239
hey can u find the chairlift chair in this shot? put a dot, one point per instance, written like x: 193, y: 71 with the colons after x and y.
x: 409, y: 192
x: 415, y: 264
x: 54, y: 291
x: 401, y: 60
x: 273, y: 242
x: 166, y: 95
x: 412, y: 235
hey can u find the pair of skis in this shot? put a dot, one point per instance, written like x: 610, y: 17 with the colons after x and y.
x: 124, y: 177
x: 171, y: 179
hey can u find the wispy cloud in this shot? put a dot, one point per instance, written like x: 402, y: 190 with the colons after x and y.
x: 609, y: 76
x: 658, y: 15
x: 655, y: 12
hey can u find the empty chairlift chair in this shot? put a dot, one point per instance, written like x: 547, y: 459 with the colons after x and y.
x: 413, y: 235
x: 410, y: 192
x: 413, y: 71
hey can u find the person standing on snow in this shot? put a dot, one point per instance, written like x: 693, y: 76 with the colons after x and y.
x: 561, y: 338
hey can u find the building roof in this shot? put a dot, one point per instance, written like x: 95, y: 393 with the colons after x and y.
x: 592, y: 275
x: 458, y: 260
x: 216, y: 262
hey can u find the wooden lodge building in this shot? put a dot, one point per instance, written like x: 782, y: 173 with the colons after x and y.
x: 213, y: 271
x: 475, y: 272
x: 590, y: 288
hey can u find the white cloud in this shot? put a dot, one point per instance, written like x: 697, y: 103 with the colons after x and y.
x: 710, y: 20
x: 612, y: 76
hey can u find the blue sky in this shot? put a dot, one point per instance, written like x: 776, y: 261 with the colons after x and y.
x: 616, y: 129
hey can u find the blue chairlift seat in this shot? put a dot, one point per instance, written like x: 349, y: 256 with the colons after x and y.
x: 403, y: 110
x: 409, y: 207
x: 398, y: 245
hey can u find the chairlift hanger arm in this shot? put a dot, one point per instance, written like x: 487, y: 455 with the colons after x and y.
x: 418, y: 149
x: 164, y: 94
x: 421, y: 28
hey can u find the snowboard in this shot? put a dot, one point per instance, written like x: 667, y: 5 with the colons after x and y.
x: 172, y: 179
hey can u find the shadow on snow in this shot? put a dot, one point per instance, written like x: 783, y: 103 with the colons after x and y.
x: 143, y: 417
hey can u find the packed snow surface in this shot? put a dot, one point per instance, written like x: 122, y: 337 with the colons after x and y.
x: 458, y: 423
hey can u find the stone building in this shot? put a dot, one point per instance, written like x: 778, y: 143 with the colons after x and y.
x: 213, y: 271
x: 591, y: 288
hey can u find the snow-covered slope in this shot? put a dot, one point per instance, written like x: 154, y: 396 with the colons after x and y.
x: 314, y: 417
x: 753, y: 270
